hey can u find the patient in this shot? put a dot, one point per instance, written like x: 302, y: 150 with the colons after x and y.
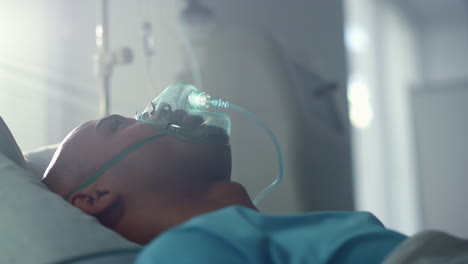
x: 178, y: 196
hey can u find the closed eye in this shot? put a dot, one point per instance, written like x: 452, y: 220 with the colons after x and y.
x: 118, y: 122
x: 110, y: 124
x: 114, y: 125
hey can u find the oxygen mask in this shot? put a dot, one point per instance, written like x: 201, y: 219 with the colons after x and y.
x: 184, y: 112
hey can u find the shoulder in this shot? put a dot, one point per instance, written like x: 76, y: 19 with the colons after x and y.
x: 189, y: 246
x: 241, y: 235
x: 203, y: 239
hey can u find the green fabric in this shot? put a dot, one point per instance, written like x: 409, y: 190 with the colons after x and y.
x: 240, y: 235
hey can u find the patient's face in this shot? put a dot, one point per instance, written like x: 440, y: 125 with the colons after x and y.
x: 166, y: 160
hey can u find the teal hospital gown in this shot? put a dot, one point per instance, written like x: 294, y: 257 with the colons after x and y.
x: 238, y: 234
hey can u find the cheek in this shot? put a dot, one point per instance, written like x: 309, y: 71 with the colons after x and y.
x: 214, y: 161
x: 147, y: 167
x: 169, y: 160
x: 221, y: 162
x: 138, y: 174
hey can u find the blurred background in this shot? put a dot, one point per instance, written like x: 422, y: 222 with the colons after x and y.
x: 367, y: 97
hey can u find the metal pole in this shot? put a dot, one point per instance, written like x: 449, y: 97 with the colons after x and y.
x: 104, y: 68
x: 105, y: 59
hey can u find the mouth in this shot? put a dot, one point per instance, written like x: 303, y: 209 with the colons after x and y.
x: 200, y: 131
x: 197, y: 130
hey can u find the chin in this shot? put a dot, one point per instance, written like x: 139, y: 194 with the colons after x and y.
x: 211, y: 162
x: 222, y: 162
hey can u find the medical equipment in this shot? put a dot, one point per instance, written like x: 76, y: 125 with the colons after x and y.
x: 147, y: 38
x: 149, y: 48
x: 105, y: 60
x: 186, y: 97
x: 184, y: 112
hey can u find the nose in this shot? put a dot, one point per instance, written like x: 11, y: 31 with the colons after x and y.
x: 130, y: 120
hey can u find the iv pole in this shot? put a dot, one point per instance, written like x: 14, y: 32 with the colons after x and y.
x: 104, y: 60
x: 104, y: 71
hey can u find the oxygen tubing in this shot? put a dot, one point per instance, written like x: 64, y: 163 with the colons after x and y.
x: 273, y: 138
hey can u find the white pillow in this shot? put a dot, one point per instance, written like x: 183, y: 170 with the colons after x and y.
x: 39, y: 159
x: 38, y: 226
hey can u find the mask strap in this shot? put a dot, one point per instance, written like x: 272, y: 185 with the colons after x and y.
x: 114, y: 161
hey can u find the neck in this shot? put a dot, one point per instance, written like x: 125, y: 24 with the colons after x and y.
x: 157, y: 213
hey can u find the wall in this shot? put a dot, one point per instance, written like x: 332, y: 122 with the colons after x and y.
x: 440, y: 111
x: 386, y: 180
x: 38, y: 66
x: 443, y: 46
x: 407, y: 45
x: 440, y: 101
x: 10, y: 73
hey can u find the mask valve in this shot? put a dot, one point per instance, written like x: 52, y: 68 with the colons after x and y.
x: 199, y: 99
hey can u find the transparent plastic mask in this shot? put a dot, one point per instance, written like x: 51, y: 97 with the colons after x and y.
x: 182, y: 111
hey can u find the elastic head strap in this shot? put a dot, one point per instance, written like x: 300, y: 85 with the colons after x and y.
x: 114, y: 161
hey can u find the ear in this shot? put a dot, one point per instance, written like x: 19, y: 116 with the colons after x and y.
x: 94, y: 202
